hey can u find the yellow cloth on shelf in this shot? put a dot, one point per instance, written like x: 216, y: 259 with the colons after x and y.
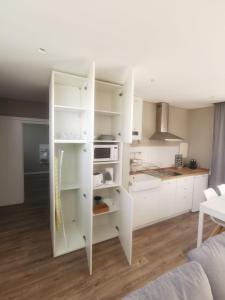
x: 58, y: 217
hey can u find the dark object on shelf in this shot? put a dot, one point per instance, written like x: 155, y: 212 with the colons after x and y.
x: 98, y: 199
x: 99, y: 206
x: 193, y: 164
x: 106, y: 137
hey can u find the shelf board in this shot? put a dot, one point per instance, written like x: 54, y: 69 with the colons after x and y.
x: 103, y: 233
x: 74, y: 239
x: 106, y: 162
x: 107, y: 113
x: 69, y: 187
x: 105, y: 186
x: 112, y: 208
x: 70, y: 141
x: 69, y: 108
x: 106, y: 141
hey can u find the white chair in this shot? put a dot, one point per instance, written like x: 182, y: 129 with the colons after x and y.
x: 221, y: 188
x: 210, y: 193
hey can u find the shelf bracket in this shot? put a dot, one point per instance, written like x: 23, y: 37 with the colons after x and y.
x: 117, y: 228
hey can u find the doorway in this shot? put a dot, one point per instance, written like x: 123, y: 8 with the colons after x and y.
x: 36, y: 164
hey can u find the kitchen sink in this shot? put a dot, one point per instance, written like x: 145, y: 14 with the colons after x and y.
x: 141, y: 182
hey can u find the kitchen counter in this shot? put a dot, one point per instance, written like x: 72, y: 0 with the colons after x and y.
x: 165, y: 173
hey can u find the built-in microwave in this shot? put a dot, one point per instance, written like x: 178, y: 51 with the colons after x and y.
x: 106, y: 152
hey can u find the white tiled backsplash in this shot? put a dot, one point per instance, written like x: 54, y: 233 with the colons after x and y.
x: 162, y: 156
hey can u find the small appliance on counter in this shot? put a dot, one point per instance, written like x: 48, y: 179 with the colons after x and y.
x: 193, y: 164
x: 178, y: 161
x: 99, y: 206
x: 97, y: 179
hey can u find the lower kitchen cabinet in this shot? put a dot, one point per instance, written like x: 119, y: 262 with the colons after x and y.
x: 184, y: 192
x: 146, y: 207
x: 173, y: 197
x: 167, y: 204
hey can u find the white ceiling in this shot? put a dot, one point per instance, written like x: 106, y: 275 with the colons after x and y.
x: 176, y: 47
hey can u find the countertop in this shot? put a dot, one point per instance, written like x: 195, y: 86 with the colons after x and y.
x: 183, y: 171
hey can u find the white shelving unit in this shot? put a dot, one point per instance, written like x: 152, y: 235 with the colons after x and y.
x: 81, y: 108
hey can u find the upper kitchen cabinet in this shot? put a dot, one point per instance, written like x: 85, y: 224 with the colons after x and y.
x: 137, y: 119
x: 114, y: 110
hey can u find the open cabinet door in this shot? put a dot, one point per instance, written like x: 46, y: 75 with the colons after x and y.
x: 51, y: 160
x: 86, y: 170
x: 127, y: 109
x: 126, y: 222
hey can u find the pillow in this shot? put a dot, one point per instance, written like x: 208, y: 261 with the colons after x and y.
x: 220, y: 238
x: 211, y: 256
x: 186, y: 282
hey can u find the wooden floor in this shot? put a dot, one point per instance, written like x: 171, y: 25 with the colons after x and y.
x: 28, y: 271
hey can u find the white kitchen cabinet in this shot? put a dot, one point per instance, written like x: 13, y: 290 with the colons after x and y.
x: 80, y: 107
x: 184, y: 192
x: 200, y: 184
x: 137, y: 119
x: 174, y: 196
x: 167, y: 198
x: 146, y: 207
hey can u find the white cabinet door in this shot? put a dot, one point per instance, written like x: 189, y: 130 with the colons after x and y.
x: 86, y: 172
x: 167, y: 198
x: 127, y: 109
x: 146, y: 207
x: 137, y: 119
x: 184, y: 194
x: 125, y: 221
x: 200, y: 184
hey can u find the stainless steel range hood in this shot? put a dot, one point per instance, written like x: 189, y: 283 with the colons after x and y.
x: 162, y: 119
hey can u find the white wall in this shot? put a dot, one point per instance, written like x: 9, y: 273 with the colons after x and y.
x: 11, y: 157
x: 11, y: 153
x: 200, y: 135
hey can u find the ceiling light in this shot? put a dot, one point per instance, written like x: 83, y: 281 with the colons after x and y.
x: 152, y: 80
x: 42, y: 51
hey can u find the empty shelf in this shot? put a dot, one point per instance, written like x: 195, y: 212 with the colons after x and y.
x: 106, y: 186
x: 68, y: 187
x: 69, y: 108
x: 106, y: 162
x: 107, y: 113
x: 70, y: 141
